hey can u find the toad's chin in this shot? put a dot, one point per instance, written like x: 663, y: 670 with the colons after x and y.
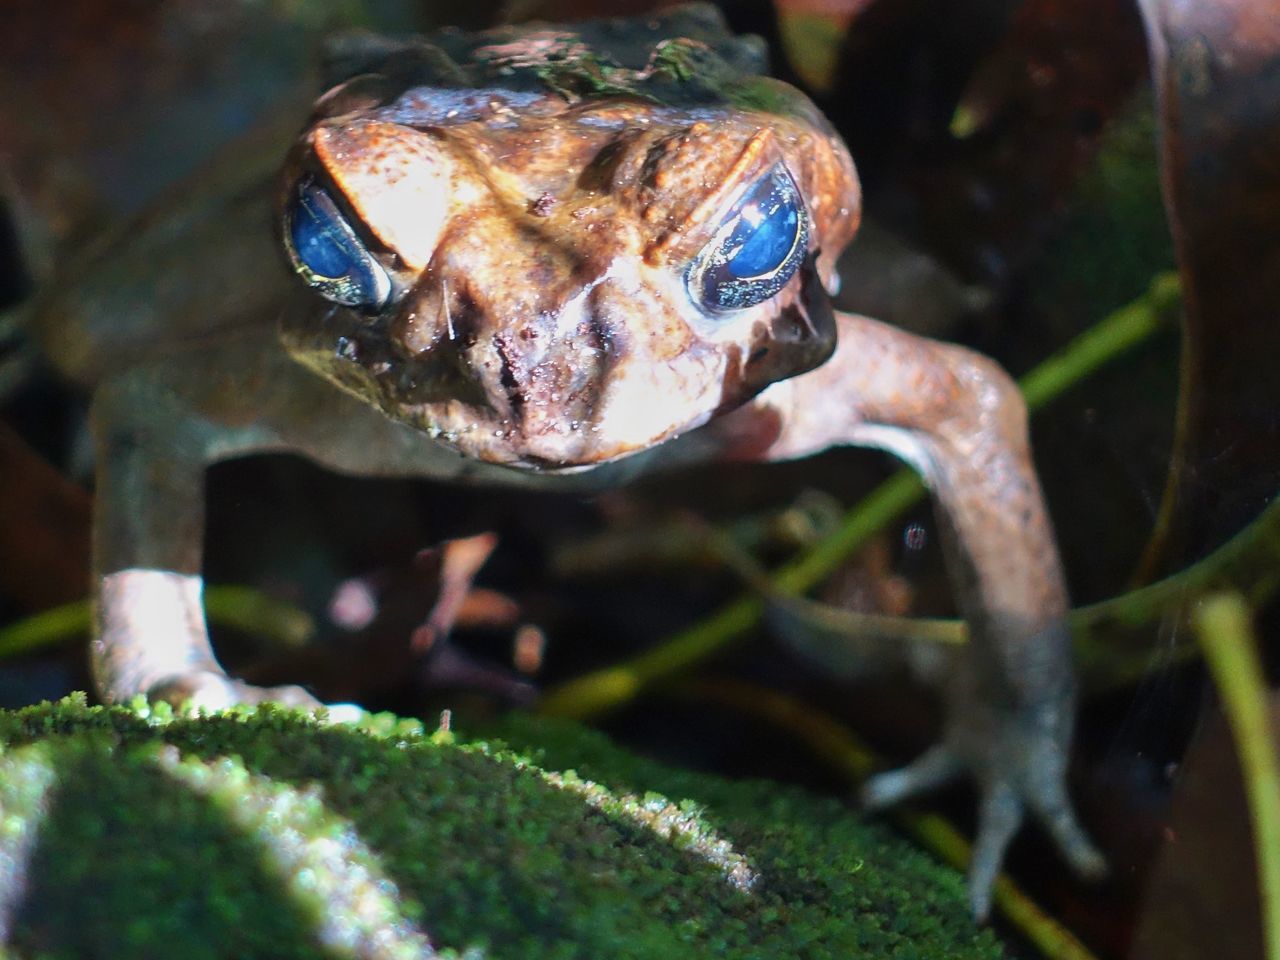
x: 547, y: 442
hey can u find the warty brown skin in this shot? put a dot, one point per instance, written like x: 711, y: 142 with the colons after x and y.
x: 542, y: 331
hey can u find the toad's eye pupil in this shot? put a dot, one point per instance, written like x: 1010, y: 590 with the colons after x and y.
x: 316, y: 245
x: 327, y: 253
x: 768, y: 245
x: 761, y: 243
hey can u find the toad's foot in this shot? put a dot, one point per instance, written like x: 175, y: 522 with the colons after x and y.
x: 152, y: 641
x: 1019, y: 761
x: 214, y: 690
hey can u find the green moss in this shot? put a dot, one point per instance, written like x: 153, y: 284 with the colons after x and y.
x: 134, y: 832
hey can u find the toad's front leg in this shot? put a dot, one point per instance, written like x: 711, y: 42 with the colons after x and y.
x: 154, y: 441
x: 959, y: 420
x: 158, y: 426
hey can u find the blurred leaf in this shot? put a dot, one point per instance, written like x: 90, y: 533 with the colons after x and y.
x: 812, y: 32
x: 971, y: 120
x: 1216, y: 68
x: 44, y: 529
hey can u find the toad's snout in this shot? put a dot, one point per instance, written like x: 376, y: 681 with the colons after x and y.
x: 592, y: 364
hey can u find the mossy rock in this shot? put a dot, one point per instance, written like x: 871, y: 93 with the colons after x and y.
x: 129, y: 832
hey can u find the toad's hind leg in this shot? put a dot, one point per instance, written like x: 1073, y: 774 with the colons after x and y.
x: 959, y: 420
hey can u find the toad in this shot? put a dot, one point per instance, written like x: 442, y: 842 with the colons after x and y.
x: 553, y: 256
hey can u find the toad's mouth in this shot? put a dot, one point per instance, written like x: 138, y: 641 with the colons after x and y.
x: 625, y: 414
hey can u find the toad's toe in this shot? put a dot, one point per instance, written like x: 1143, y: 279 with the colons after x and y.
x: 211, y: 690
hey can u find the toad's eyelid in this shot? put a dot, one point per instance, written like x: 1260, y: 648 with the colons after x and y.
x: 725, y: 194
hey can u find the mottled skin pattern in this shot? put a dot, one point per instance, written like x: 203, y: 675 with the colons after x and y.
x: 535, y: 198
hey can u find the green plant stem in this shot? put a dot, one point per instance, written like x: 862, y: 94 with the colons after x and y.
x: 1248, y: 562
x: 1118, y: 332
x: 253, y: 612
x: 1230, y: 649
x: 609, y: 688
x: 241, y: 608
x: 45, y: 629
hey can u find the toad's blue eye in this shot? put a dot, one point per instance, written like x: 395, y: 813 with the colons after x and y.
x: 758, y: 248
x: 328, y: 255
